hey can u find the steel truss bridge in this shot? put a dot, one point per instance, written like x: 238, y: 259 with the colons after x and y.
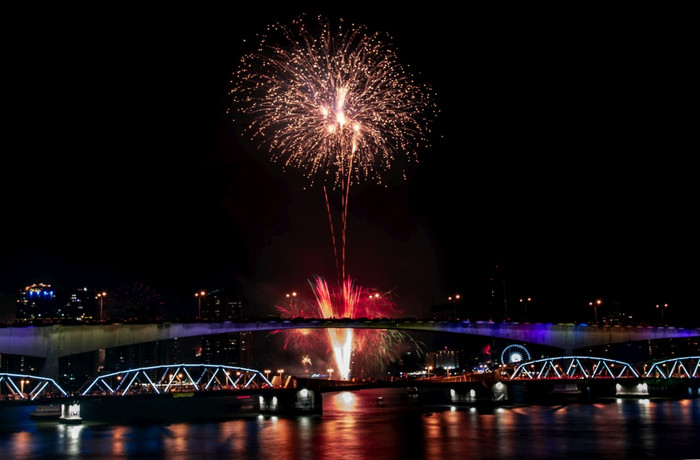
x: 176, y: 378
x: 590, y: 367
x: 29, y: 387
x: 163, y: 379
x: 207, y: 377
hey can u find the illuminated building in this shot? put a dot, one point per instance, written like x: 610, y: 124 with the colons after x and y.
x: 234, y: 348
x: 36, y: 302
x: 443, y: 359
x: 82, y: 304
x: 221, y: 304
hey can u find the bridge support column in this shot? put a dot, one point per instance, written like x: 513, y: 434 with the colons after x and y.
x: 499, y: 392
x: 291, y: 401
x: 50, y: 368
x: 631, y: 389
x: 475, y: 393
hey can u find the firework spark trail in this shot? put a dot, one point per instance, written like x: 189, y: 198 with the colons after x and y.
x: 324, y: 102
x: 334, y: 104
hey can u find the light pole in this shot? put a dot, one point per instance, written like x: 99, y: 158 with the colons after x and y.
x: 199, y: 296
x: 330, y: 373
x: 292, y: 302
x: 267, y: 374
x: 595, y: 304
x: 662, y: 307
x: 280, y: 372
x: 525, y: 301
x: 101, y: 296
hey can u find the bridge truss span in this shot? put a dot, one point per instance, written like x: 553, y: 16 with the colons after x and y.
x: 685, y: 367
x: 176, y: 378
x: 573, y: 367
x: 28, y: 387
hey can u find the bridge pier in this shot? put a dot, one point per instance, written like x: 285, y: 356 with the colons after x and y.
x: 478, y: 393
x: 291, y: 401
x: 638, y: 388
x: 50, y: 368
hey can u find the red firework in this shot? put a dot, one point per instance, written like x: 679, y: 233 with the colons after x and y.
x: 370, y: 348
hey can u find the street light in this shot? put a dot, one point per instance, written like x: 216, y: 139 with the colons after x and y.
x: 330, y: 373
x: 267, y: 374
x: 455, y: 298
x: 595, y: 304
x: 280, y: 372
x: 199, y: 296
x: 525, y: 301
x: 101, y: 296
x: 291, y: 298
x: 662, y: 307
x: 429, y: 368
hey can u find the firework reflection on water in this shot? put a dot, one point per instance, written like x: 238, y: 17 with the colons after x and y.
x: 370, y: 349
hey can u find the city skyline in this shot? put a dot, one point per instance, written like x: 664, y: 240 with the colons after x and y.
x: 557, y: 156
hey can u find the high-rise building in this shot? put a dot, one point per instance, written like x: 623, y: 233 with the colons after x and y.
x: 40, y: 301
x: 36, y: 302
x: 235, y: 348
x: 497, y: 296
x: 443, y: 359
x: 82, y: 304
x: 221, y: 304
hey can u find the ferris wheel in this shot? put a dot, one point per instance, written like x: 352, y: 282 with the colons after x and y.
x: 514, y: 354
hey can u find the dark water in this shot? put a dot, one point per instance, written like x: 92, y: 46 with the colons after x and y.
x: 355, y: 426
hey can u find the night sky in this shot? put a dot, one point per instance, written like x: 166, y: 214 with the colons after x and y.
x: 562, y: 154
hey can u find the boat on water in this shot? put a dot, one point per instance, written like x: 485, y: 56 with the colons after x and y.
x: 46, y: 412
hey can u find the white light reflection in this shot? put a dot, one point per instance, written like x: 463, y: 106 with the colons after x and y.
x: 69, y: 436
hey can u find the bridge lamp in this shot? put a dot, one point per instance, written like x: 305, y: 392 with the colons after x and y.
x: 280, y: 372
x: 267, y: 374
x: 101, y: 296
x: 662, y: 307
x: 330, y: 373
x: 292, y: 297
x: 595, y: 304
x: 199, y: 296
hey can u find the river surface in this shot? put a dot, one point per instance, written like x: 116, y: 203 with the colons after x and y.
x: 357, y: 425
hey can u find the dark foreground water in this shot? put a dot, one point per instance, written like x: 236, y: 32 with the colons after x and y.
x: 355, y: 426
